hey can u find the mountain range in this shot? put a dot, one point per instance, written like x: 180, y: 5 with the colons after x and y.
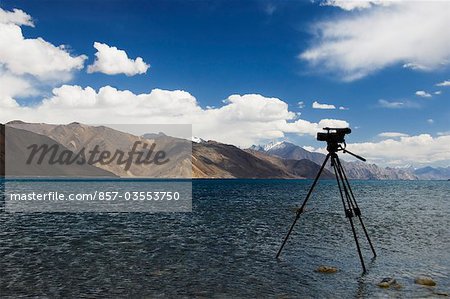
x: 354, y: 170
x: 198, y: 158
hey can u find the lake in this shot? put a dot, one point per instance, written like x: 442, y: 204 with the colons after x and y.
x: 226, y: 247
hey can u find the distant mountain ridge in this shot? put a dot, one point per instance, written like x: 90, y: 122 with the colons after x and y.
x: 287, y: 150
x: 354, y: 170
x: 433, y: 173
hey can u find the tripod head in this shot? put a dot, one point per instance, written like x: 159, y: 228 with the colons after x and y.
x: 335, y: 138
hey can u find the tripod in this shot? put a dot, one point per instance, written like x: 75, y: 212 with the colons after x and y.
x: 349, y: 203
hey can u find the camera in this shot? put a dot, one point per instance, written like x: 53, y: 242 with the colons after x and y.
x: 333, y: 135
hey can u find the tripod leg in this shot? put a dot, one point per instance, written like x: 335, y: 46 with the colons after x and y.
x: 347, y: 209
x: 357, y: 210
x: 357, y: 244
x: 300, y: 210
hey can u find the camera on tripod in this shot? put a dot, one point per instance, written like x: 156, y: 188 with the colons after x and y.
x: 336, y: 143
x: 333, y: 135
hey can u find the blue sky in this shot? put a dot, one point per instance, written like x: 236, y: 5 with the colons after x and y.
x: 215, y: 49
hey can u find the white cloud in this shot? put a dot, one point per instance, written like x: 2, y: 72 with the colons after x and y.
x: 423, y: 94
x: 26, y: 63
x: 443, y: 133
x: 343, y: 108
x: 355, y: 4
x: 301, y: 126
x: 356, y: 44
x: 112, y: 61
x: 397, y: 104
x: 35, y: 56
x: 444, y: 83
x: 14, y: 86
x: 301, y: 104
x: 317, y: 105
x: 418, y: 150
x: 430, y: 121
x: 17, y: 17
x: 242, y: 119
x: 309, y: 148
x: 415, y: 66
x: 333, y: 123
x: 415, y: 150
x: 392, y: 135
x: 438, y: 92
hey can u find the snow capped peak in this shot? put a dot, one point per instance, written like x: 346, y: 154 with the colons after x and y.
x: 274, y: 145
x: 198, y: 139
x: 258, y: 148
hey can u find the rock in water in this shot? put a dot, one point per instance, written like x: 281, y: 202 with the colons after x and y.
x: 425, y: 281
x: 387, y: 282
x: 440, y: 293
x: 326, y: 269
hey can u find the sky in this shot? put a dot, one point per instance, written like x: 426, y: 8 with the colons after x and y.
x: 241, y: 72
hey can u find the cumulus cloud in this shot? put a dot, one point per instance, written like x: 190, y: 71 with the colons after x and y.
x: 35, y: 56
x: 17, y: 17
x: 343, y: 108
x: 430, y: 121
x: 423, y: 94
x: 14, y: 86
x: 356, y: 44
x: 444, y: 83
x: 418, y: 150
x: 301, y: 126
x: 397, y: 104
x: 414, y: 150
x: 242, y: 119
x: 438, y: 92
x: 317, y: 105
x: 112, y: 61
x: 26, y: 63
x: 392, y: 135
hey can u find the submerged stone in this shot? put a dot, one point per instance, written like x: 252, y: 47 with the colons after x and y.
x: 425, y: 281
x: 327, y: 269
x: 440, y: 293
x: 387, y: 282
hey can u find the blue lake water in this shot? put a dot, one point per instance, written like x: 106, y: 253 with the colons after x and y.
x: 225, y: 248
